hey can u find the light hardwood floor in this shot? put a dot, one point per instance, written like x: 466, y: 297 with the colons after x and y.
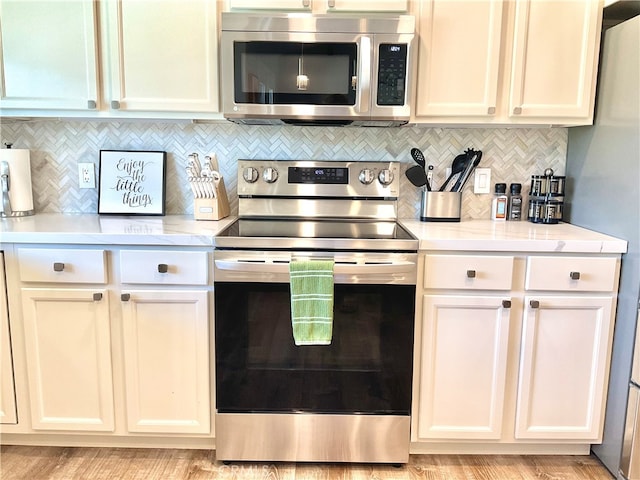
x: 56, y: 463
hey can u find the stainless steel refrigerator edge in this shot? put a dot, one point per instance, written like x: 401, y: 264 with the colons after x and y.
x: 603, y: 178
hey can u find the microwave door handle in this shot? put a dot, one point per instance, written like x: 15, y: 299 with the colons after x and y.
x: 363, y: 82
x: 338, y: 269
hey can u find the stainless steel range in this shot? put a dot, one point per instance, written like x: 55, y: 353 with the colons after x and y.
x: 348, y: 401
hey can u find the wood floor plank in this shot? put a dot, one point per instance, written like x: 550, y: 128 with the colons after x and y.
x: 58, y: 463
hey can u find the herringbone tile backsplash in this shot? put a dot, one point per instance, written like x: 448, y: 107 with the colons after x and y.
x: 57, y: 146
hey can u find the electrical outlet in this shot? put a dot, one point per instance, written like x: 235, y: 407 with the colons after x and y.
x: 482, y: 180
x: 86, y: 175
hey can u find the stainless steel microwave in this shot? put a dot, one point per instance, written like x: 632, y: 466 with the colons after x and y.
x: 316, y: 69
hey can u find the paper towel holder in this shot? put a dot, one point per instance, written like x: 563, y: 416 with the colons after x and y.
x: 15, y: 180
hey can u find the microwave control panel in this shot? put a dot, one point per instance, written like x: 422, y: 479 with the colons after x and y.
x: 392, y: 73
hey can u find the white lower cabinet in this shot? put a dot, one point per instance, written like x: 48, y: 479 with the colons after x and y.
x: 464, y: 363
x: 563, y: 367
x: 513, y: 349
x: 166, y: 359
x: 68, y: 353
x: 8, y: 414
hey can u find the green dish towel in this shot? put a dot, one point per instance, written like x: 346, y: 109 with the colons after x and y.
x: 311, y: 301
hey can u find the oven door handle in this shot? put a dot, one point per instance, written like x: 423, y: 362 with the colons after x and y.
x: 339, y: 268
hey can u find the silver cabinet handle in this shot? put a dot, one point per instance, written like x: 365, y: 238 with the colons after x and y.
x: 517, y: 110
x: 534, y: 304
x: 331, y: 3
x: 58, y: 266
x: 115, y: 104
x: 306, y: 3
x: 125, y: 297
x: 471, y: 274
x: 163, y: 268
x: 91, y: 104
x: 506, y: 303
x: 491, y: 110
x: 97, y: 297
x: 574, y: 275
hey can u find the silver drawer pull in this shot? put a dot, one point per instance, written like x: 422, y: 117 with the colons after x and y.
x: 506, y: 303
x: 575, y: 275
x: 125, y: 297
x: 534, y: 304
x: 97, y: 297
x: 163, y: 268
x: 58, y: 266
x: 471, y: 274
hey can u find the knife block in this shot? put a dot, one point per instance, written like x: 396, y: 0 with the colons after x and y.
x: 440, y: 206
x: 212, y: 208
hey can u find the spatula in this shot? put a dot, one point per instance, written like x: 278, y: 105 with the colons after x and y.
x: 457, y: 166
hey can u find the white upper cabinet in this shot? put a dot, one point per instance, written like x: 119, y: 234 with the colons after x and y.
x: 459, y: 58
x: 49, y: 52
x: 322, y: 6
x: 162, y: 55
x: 501, y: 62
x: 555, y: 59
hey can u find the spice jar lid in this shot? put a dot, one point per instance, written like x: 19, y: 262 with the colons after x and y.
x: 516, y: 188
x: 501, y: 188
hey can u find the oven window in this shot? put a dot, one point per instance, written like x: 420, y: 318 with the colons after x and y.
x: 294, y: 73
x: 367, y: 368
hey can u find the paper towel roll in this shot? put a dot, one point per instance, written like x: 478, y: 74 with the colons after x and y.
x: 18, y: 162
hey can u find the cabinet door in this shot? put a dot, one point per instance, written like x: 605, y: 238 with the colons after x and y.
x: 555, y: 59
x: 271, y: 5
x: 163, y: 55
x: 48, y: 54
x: 459, y: 57
x: 366, y: 5
x: 166, y: 353
x: 67, y: 340
x: 7, y: 387
x: 463, y: 367
x: 564, y: 367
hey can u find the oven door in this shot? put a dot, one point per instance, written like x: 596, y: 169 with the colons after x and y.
x: 366, y: 369
x: 295, y: 75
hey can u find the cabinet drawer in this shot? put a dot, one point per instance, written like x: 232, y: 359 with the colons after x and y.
x: 164, y: 267
x: 580, y: 274
x: 468, y: 272
x: 60, y: 265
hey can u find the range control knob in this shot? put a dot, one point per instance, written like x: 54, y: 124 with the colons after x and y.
x: 366, y: 176
x: 385, y: 177
x: 250, y: 174
x: 270, y: 174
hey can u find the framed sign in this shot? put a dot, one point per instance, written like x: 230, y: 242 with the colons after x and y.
x: 132, y: 182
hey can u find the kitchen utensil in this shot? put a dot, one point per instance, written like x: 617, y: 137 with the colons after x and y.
x: 429, y: 176
x: 474, y: 160
x: 457, y: 166
x: 15, y: 181
x: 418, y: 157
x: 417, y: 175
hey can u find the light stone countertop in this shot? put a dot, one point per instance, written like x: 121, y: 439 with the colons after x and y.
x: 522, y: 236
x: 183, y: 230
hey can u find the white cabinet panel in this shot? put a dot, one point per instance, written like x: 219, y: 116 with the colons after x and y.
x: 473, y: 272
x: 164, y: 267
x: 7, y: 387
x: 67, y: 340
x: 49, y: 52
x: 564, y: 367
x: 271, y: 5
x: 463, y: 367
x: 579, y: 274
x: 62, y: 265
x: 459, y: 57
x: 163, y: 55
x: 555, y: 58
x: 166, y: 356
